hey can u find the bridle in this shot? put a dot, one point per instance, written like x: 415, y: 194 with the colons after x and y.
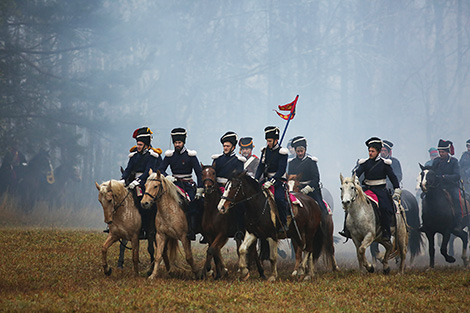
x: 116, y: 207
x: 160, y: 191
x: 239, y: 189
x: 355, y: 192
x: 428, y: 186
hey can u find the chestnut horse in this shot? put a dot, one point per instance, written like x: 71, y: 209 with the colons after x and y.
x: 170, y: 219
x: 260, y: 221
x: 216, y: 227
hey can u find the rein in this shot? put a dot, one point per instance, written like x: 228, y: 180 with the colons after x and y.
x: 239, y: 188
x: 160, y: 192
x: 116, y: 207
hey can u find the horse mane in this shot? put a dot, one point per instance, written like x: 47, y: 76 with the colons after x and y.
x: 117, y: 188
x: 170, y: 188
x: 250, y: 180
x: 360, y: 193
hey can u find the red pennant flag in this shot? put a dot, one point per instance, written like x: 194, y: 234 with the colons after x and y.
x: 288, y: 107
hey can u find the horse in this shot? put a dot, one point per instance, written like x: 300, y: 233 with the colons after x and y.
x: 362, y: 224
x: 123, y: 219
x: 170, y: 220
x: 260, y: 221
x: 438, y: 216
x: 216, y: 227
x: 293, y: 181
x: 415, y: 242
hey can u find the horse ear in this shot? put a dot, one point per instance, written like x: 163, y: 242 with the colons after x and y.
x: 122, y: 170
x: 158, y: 174
x: 202, y: 165
x: 341, y: 178
x: 150, y: 172
x: 97, y: 186
x: 354, y: 177
x: 422, y: 167
x: 109, y: 186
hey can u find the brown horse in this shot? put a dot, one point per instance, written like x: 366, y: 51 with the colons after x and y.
x: 170, y: 220
x: 261, y: 223
x: 216, y: 226
x: 293, y: 181
x: 122, y: 217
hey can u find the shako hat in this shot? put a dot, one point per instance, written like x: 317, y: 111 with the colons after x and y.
x: 271, y: 132
x: 374, y: 142
x: 143, y: 134
x: 299, y: 141
x: 178, y: 134
x: 246, y: 142
x: 230, y: 137
x: 446, y: 145
x: 388, y: 145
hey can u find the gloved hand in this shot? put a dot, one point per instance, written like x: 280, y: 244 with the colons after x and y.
x: 306, y: 190
x: 122, y: 181
x: 269, y: 183
x: 396, y: 194
x: 171, y: 178
x: 199, y: 192
x: 134, y: 184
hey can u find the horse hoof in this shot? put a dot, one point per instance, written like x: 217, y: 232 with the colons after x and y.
x: 307, y: 278
x: 152, y: 277
x: 245, y: 278
x: 450, y: 259
x: 294, y: 273
x: 387, y: 270
x: 371, y: 269
x: 108, y: 271
x: 272, y: 279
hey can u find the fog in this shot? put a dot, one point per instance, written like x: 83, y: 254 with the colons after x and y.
x: 393, y: 69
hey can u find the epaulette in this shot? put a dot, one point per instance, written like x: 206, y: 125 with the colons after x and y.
x: 154, y: 152
x: 216, y: 156
x: 387, y: 161
x: 169, y: 153
x: 192, y: 152
x: 313, y: 158
x: 157, y: 150
x: 134, y: 148
x: 361, y: 161
x: 241, y: 158
x: 132, y: 154
x: 283, y: 151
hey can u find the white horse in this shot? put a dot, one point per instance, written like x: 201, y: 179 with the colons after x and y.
x: 364, y: 229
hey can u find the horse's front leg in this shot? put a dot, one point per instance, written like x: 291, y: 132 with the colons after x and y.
x: 189, y: 255
x: 160, y: 242
x: 388, y: 249
x: 431, y: 248
x: 361, y: 252
x: 273, y: 258
x: 242, y: 252
x: 298, y: 259
x: 445, y: 242
x: 110, y: 240
x: 464, y: 238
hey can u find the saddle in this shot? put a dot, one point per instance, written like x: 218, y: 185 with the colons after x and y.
x: 273, y: 207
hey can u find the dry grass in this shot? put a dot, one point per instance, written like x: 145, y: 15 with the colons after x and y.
x: 57, y: 269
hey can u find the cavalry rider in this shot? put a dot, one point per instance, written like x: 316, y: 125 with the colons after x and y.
x: 227, y: 165
x: 252, y: 161
x: 386, y: 153
x: 433, y: 153
x: 182, y: 163
x: 376, y: 170
x: 448, y: 173
x: 306, y: 165
x: 142, y: 158
x: 272, y: 167
x: 464, y: 164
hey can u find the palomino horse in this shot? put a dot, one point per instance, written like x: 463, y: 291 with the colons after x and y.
x: 293, y: 181
x: 170, y: 220
x: 122, y: 217
x: 364, y: 229
x: 438, y: 216
x: 260, y: 223
x: 216, y: 227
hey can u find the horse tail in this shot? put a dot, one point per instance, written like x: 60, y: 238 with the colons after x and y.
x: 412, y: 217
x: 327, y: 241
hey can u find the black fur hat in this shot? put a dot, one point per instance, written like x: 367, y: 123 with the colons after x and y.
x: 143, y: 134
x: 271, y: 132
x: 178, y: 134
x: 375, y: 142
x: 299, y: 141
x: 446, y: 145
x: 230, y: 137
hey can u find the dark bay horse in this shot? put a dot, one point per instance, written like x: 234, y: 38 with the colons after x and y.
x: 438, y: 216
x: 261, y: 223
x: 216, y: 226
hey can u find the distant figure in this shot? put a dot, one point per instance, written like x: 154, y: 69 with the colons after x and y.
x: 13, y: 165
x: 252, y: 161
x: 464, y: 164
x: 433, y: 153
x: 386, y: 153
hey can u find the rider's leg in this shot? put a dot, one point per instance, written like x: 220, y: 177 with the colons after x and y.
x: 281, y: 203
x: 345, y: 232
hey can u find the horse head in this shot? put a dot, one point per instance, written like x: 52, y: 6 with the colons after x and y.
x: 110, y: 194
x: 153, y: 189
x: 349, y: 190
x: 233, y: 193
x: 428, y: 179
x: 209, y: 178
x: 293, y: 182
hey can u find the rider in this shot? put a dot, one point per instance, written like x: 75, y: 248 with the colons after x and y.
x: 306, y: 165
x: 246, y: 150
x: 386, y: 153
x: 273, y: 169
x: 182, y: 162
x: 142, y: 158
x: 448, y: 173
x: 376, y: 170
x: 227, y: 165
x: 433, y: 153
x: 464, y: 164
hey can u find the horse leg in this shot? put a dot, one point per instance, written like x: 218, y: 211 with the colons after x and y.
x: 135, y: 253
x: 311, y: 267
x: 273, y: 258
x: 110, y: 240
x: 220, y: 241
x: 242, y: 252
x: 160, y: 242
x: 151, y: 251
x: 464, y: 237
x: 189, y: 255
x: 431, y: 248
x: 122, y: 250
x: 401, y: 238
x: 259, y: 265
x: 361, y: 252
x: 388, y: 249
x: 298, y: 259
x: 445, y: 241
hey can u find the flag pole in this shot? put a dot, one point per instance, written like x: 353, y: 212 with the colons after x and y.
x: 288, y: 120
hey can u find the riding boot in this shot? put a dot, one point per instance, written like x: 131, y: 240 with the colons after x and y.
x: 345, y: 232
x: 191, y: 234
x: 240, y: 220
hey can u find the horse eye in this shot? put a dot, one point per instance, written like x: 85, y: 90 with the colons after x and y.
x: 340, y: 188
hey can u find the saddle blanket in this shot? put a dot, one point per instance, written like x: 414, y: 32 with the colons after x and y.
x: 372, y: 197
x: 184, y: 193
x: 293, y: 199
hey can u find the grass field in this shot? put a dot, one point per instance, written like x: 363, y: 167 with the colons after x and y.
x: 58, y: 270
